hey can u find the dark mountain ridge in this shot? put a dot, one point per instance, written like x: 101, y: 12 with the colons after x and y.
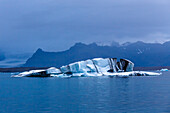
x: 142, y: 54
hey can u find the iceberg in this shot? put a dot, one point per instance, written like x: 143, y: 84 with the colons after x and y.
x: 53, y: 71
x: 92, y: 67
x: 164, y: 69
x: 33, y: 73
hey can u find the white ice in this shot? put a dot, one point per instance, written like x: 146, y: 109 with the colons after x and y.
x: 93, y: 67
x: 26, y: 73
x: 134, y: 73
x: 164, y: 69
x: 53, y: 70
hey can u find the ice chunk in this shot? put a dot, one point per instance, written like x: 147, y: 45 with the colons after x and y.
x: 33, y: 73
x: 130, y: 67
x: 113, y: 65
x: 164, y: 69
x: 134, y: 73
x: 102, y: 65
x: 65, y: 69
x: 93, y: 74
x: 78, y: 67
x: 53, y: 70
x: 126, y: 65
x: 90, y: 66
x: 61, y: 75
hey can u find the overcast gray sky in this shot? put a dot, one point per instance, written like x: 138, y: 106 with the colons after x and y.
x: 54, y: 25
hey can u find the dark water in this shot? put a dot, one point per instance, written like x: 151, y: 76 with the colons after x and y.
x: 85, y: 95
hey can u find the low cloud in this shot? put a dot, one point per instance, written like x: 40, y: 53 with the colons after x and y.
x: 56, y: 25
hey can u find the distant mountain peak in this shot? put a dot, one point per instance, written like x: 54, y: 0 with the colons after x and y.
x: 39, y: 50
x: 82, y: 45
x: 114, y: 43
x: 167, y: 43
x: 79, y: 44
x: 126, y: 44
x: 140, y: 42
x: 93, y: 44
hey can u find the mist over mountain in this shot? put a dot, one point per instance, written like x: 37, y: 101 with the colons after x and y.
x: 13, y: 59
x: 142, y: 54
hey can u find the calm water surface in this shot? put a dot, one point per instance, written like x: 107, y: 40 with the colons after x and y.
x: 85, y: 94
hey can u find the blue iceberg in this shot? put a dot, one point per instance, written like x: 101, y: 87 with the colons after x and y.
x: 92, y: 67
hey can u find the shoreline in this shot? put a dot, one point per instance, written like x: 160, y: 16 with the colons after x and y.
x: 22, y: 69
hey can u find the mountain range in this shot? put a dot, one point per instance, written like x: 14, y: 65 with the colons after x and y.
x: 142, y: 54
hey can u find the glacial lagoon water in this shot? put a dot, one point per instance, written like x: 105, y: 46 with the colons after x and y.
x: 85, y: 94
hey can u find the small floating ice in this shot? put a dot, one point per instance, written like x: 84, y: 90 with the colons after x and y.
x: 134, y: 73
x: 164, y: 69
